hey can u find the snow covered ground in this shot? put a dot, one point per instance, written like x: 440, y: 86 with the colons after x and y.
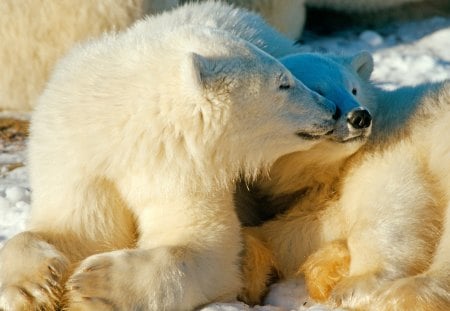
x: 405, y: 54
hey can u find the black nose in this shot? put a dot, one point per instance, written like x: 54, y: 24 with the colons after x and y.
x: 359, y: 118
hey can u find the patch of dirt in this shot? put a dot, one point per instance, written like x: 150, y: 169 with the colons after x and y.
x: 13, y: 130
x: 13, y: 136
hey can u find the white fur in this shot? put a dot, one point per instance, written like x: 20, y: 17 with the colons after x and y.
x: 388, y: 198
x: 287, y: 16
x: 142, y: 135
x: 397, y: 197
x: 240, y: 22
x: 34, y: 34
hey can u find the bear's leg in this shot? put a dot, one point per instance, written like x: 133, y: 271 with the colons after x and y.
x: 428, y: 291
x: 35, y: 264
x: 296, y: 235
x: 187, y: 256
x: 325, y: 268
x: 259, y: 267
x: 392, y: 224
x: 282, y: 246
x: 163, y: 278
x: 32, y: 273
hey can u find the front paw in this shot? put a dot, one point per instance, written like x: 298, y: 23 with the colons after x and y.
x: 355, y: 291
x: 94, y: 284
x: 41, y: 290
x: 325, y: 268
x: 259, y: 270
x: 31, y: 274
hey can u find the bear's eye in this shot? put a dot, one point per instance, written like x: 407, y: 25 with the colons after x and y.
x: 284, y: 86
x: 354, y: 91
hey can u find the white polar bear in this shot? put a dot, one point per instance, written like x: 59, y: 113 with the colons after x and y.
x: 135, y: 147
x: 375, y: 208
x: 302, y: 178
x: 34, y: 34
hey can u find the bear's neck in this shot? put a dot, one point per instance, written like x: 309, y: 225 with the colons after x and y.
x: 301, y: 173
x: 294, y: 179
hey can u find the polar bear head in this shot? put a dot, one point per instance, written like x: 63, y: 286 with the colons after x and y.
x: 345, y: 81
x: 185, y: 101
x: 233, y: 102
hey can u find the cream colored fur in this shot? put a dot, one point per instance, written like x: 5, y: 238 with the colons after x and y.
x: 389, y: 201
x: 34, y: 34
x: 135, y: 146
x: 237, y: 21
x: 287, y: 16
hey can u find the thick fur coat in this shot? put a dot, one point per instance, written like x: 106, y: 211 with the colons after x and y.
x: 35, y: 34
x: 376, y: 212
x: 135, y: 147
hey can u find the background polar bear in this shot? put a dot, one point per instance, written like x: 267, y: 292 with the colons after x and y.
x: 36, y: 33
x: 380, y: 216
x: 160, y: 121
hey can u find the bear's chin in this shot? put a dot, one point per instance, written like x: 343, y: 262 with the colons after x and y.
x: 360, y: 139
x: 309, y: 136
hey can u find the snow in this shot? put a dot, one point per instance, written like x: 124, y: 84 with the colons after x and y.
x: 372, y: 38
x: 14, y: 193
x: 404, y: 54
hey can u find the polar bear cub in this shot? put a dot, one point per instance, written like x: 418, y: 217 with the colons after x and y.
x: 134, y: 150
x: 373, y: 210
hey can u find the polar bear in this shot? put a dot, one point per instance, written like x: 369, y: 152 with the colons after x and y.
x: 377, y: 211
x: 300, y: 178
x: 36, y: 33
x: 135, y: 146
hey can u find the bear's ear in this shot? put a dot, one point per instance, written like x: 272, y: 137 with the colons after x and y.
x: 196, y: 71
x: 362, y: 63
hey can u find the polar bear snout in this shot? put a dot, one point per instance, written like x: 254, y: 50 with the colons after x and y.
x: 359, y: 118
x: 353, y: 125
